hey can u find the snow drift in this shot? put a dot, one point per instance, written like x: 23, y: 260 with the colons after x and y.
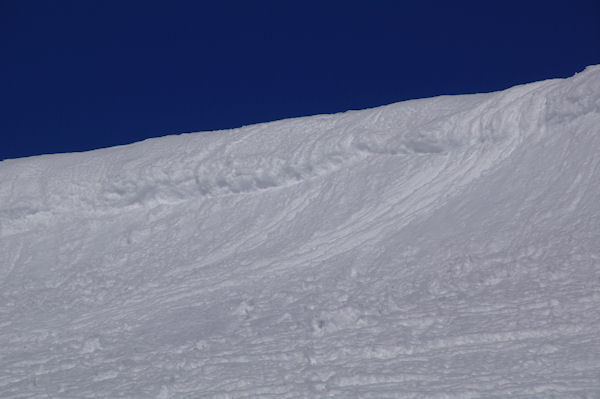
x: 444, y: 247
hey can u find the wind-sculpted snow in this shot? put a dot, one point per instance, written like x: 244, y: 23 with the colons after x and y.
x: 436, y: 248
x: 242, y: 161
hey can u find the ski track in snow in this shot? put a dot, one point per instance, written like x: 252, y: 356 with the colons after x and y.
x: 436, y: 248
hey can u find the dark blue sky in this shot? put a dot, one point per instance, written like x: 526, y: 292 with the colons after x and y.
x: 80, y: 75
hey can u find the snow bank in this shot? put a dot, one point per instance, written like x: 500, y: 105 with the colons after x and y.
x: 445, y: 247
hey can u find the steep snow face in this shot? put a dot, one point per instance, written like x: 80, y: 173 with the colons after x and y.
x: 445, y: 247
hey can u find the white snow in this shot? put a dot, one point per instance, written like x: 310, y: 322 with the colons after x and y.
x: 438, y: 248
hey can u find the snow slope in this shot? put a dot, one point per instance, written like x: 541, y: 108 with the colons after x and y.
x: 437, y: 248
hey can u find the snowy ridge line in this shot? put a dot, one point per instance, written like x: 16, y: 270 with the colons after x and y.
x: 225, y: 169
x: 38, y: 188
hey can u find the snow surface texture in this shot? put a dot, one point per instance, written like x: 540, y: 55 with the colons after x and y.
x: 437, y: 248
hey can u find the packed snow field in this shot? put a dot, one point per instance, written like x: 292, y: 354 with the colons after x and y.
x: 437, y: 248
